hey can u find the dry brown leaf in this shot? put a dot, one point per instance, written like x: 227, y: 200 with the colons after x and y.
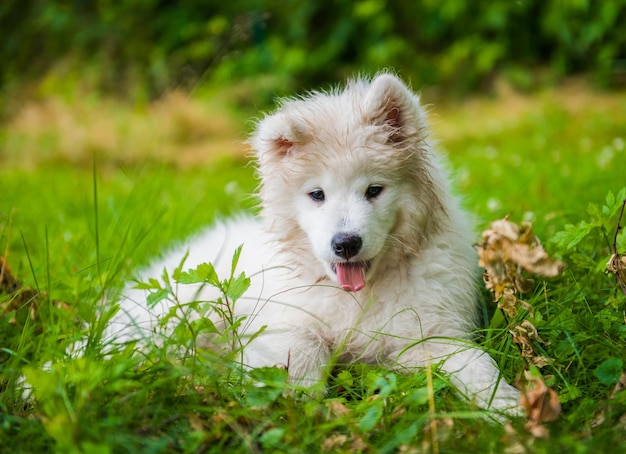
x: 196, y: 422
x: 617, y: 266
x: 22, y: 296
x: 506, y: 242
x: 333, y: 442
x: 534, y: 259
x: 508, y: 302
x: 540, y: 361
x: 541, y: 404
x: 529, y: 330
x: 599, y: 417
x: 506, y: 229
x: 337, y: 408
x: 617, y: 262
x: 523, y: 284
x: 525, y: 335
x: 8, y: 282
x: 619, y: 386
x: 511, y: 441
x: 398, y: 412
x: 538, y: 430
x: 507, y: 250
x: 358, y: 445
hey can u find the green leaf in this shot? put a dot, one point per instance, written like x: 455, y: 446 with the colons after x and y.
x: 610, y: 371
x: 166, y: 278
x: 345, y: 379
x: 373, y: 414
x: 272, y: 437
x: 610, y: 200
x: 572, y: 235
x: 593, y: 210
x: 204, y: 325
x: 235, y: 260
x: 386, y: 384
x: 570, y: 393
x: 614, y: 203
x: 179, y: 268
x: 417, y: 397
x: 152, y: 284
x: 401, y: 436
x: 237, y: 287
x: 203, y: 273
x: 156, y: 297
x: 274, y: 376
x: 172, y: 314
x: 254, y: 335
x: 269, y: 384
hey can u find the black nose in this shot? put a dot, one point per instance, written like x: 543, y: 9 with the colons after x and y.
x: 346, y: 245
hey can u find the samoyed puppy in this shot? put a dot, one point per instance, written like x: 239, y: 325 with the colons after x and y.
x: 360, y: 253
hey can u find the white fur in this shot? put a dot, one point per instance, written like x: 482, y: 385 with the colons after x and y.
x: 419, y: 302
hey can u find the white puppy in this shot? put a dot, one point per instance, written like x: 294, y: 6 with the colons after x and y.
x: 361, y: 253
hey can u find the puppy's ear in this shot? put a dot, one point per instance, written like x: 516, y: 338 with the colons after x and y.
x: 277, y: 136
x: 390, y: 104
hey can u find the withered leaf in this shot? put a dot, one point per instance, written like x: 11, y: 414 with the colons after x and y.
x: 508, y: 302
x: 541, y: 404
x: 506, y: 242
x: 530, y: 331
x: 523, y: 284
x: 334, y: 442
x: 508, y: 250
x: 619, y: 386
x: 600, y: 417
x: 617, y: 266
x: 525, y: 335
x: 196, y: 422
x: 337, y: 408
x: 539, y: 361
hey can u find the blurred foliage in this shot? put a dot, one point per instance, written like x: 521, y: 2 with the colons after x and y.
x: 156, y: 45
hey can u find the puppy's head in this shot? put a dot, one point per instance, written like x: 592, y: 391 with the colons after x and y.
x: 345, y: 178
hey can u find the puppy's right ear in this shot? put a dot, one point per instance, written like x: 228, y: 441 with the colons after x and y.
x: 277, y: 136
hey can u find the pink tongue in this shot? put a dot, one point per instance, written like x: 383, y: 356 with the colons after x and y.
x: 351, y: 276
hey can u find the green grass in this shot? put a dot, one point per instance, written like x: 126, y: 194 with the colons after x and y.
x: 73, y: 230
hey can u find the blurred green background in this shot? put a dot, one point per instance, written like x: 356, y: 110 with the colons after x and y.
x: 143, y: 48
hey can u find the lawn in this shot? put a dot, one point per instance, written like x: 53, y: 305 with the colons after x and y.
x: 93, y: 188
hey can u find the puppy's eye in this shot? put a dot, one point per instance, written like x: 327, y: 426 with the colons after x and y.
x: 317, y: 195
x: 373, y: 191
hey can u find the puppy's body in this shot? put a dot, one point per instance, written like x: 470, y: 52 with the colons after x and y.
x: 360, y: 253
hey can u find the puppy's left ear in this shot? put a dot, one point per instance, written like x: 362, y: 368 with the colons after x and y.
x: 390, y: 104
